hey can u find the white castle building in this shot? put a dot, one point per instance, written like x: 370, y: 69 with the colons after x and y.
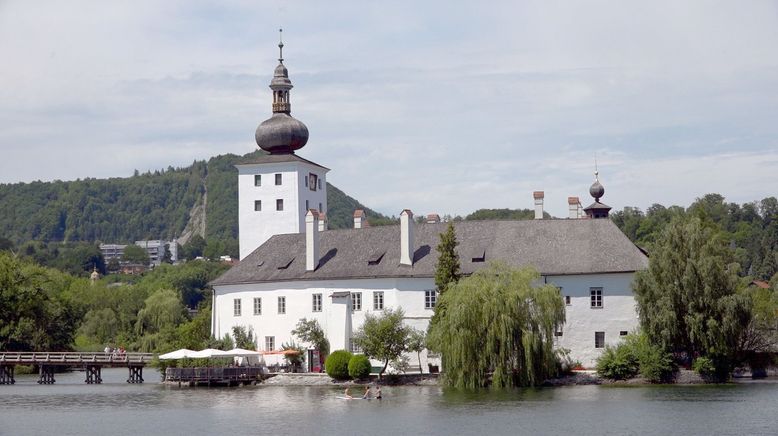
x: 292, y: 267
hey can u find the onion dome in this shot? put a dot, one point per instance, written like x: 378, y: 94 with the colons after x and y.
x: 282, y: 133
x: 596, y: 190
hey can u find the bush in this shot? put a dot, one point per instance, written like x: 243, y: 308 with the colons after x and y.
x: 617, y: 363
x: 636, y: 355
x: 704, y: 367
x: 337, y: 364
x: 359, y: 366
x: 655, y: 364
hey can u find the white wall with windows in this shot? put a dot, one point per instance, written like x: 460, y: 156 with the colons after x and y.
x: 601, y: 308
x: 262, y: 188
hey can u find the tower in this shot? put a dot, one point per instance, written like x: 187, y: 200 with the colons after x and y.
x: 276, y: 189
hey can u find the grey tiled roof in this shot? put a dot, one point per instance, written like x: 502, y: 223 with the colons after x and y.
x: 554, y: 247
x: 277, y: 158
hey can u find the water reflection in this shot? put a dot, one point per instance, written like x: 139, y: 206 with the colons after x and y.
x: 71, y: 407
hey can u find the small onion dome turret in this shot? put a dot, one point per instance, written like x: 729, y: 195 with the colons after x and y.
x: 596, y: 190
x: 281, y: 133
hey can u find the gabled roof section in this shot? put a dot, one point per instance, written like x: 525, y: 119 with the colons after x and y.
x: 553, y: 247
x: 277, y: 158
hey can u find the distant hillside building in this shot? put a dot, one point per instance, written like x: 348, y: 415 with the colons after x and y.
x: 292, y: 268
x: 154, y: 248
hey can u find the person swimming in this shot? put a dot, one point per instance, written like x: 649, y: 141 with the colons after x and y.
x: 378, y: 393
x: 366, y: 395
x: 347, y: 394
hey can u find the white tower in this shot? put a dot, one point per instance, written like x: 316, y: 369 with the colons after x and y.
x: 276, y: 190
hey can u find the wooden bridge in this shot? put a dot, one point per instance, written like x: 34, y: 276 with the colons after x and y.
x: 92, y: 363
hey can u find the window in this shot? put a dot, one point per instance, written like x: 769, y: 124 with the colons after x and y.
x: 305, y: 179
x: 429, y: 299
x: 599, y: 339
x: 623, y: 333
x: 270, y: 343
x: 596, y: 295
x: 378, y: 300
x: 236, y: 307
x: 568, y: 300
x: 558, y: 333
x: 356, y: 301
x: 316, y: 303
x: 282, y: 305
x: 258, y: 205
x: 320, y: 209
x: 353, y: 346
x: 319, y: 183
x: 257, y: 179
x: 257, y: 306
x: 313, y: 181
x: 307, y: 206
x: 278, y: 179
x: 280, y: 204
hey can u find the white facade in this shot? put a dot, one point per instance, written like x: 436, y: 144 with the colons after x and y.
x: 295, y: 191
x: 614, y: 313
x: 339, y: 319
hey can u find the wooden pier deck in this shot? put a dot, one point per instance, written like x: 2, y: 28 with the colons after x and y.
x: 229, y: 376
x: 92, y: 363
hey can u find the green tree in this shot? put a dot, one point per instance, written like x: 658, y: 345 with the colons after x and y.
x: 383, y: 337
x: 194, y: 247
x: 687, y: 299
x: 161, y: 310
x: 194, y: 334
x: 498, y: 322
x: 135, y: 254
x: 417, y: 342
x: 311, y: 332
x: 447, y: 268
x: 294, y: 355
x: 244, y: 337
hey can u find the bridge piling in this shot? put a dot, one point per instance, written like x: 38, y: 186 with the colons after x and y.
x: 136, y: 374
x: 93, y: 374
x: 7, y: 375
x: 46, y: 373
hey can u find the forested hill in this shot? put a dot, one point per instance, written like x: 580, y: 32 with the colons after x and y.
x: 153, y: 205
x: 751, y: 229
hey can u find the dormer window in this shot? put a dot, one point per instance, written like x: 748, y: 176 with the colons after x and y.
x: 285, y: 262
x: 478, y: 255
x: 375, y: 257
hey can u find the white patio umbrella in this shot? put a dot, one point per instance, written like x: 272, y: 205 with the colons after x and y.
x: 242, y: 352
x: 208, y: 352
x: 178, y: 354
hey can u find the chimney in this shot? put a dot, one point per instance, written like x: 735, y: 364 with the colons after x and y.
x: 580, y: 210
x: 406, y: 238
x: 573, y: 204
x: 322, y: 221
x: 359, y: 219
x: 538, y: 195
x: 433, y: 218
x: 311, y: 240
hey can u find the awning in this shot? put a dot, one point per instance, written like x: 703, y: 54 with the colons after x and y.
x: 178, y: 354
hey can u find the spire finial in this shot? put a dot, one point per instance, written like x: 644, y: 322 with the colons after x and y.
x: 281, y: 45
x: 596, y: 171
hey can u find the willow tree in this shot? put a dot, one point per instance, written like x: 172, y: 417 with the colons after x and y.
x: 688, y: 298
x: 498, y: 328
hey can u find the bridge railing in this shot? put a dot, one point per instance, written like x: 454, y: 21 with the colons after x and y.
x: 71, y: 358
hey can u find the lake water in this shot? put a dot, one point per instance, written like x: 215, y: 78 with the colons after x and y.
x: 71, y: 407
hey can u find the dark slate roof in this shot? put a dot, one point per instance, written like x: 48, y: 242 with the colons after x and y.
x: 277, y: 158
x: 554, y: 247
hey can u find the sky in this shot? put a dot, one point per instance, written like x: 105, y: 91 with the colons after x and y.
x: 435, y: 106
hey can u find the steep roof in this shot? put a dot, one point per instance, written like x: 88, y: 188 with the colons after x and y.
x: 554, y: 247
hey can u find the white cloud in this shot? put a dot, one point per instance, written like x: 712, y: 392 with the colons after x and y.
x: 434, y: 106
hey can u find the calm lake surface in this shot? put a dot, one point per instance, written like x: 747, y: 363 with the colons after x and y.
x: 71, y: 407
